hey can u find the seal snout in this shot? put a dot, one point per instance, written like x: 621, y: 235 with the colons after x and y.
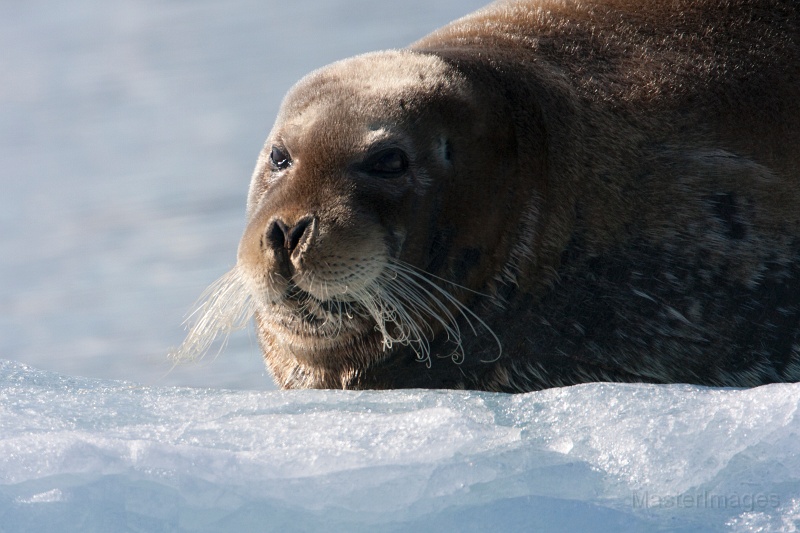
x: 279, y: 250
x: 291, y: 242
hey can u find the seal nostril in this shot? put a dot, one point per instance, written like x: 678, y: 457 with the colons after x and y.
x: 280, y: 237
x: 277, y: 234
x: 298, y: 233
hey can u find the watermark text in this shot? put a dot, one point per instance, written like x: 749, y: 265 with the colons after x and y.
x: 705, y: 500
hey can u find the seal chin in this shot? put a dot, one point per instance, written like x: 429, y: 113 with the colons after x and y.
x: 313, y: 331
x: 301, y: 316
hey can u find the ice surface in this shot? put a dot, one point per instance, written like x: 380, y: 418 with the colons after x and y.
x: 87, y: 455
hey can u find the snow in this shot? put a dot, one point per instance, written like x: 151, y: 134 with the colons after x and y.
x: 79, y: 454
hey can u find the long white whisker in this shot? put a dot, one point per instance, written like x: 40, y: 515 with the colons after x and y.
x: 425, y: 304
x: 224, y: 307
x: 408, y: 267
x: 402, y: 303
x: 464, y: 309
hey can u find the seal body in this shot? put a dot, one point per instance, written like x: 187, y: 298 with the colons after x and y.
x: 542, y: 193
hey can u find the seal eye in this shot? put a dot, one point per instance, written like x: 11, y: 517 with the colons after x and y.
x: 279, y: 159
x: 388, y: 162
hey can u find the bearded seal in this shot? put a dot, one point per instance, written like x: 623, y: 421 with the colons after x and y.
x: 542, y: 193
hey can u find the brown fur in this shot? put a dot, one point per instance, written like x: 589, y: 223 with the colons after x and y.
x: 615, y: 182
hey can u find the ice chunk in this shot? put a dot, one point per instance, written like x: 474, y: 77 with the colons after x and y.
x: 93, y: 455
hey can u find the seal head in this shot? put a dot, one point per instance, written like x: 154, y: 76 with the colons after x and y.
x: 339, y: 249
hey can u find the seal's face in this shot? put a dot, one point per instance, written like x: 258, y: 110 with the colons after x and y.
x: 329, y: 252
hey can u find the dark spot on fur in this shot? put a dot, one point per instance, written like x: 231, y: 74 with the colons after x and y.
x: 726, y: 210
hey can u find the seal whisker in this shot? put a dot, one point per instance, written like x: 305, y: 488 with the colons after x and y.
x: 408, y: 300
x: 463, y: 309
x: 225, y: 306
x: 417, y: 271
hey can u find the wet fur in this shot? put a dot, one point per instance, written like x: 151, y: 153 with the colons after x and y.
x: 623, y: 201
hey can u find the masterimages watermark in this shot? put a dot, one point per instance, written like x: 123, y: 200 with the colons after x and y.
x: 706, y: 500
